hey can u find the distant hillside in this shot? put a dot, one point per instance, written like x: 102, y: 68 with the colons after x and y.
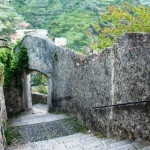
x: 145, y: 2
x: 9, y: 19
x: 65, y: 18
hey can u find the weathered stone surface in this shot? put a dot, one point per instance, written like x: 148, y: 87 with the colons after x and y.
x: 117, y: 75
x: 14, y: 101
x: 3, y: 117
x: 39, y: 98
x: 79, y: 83
x: 41, y: 135
x: 40, y: 50
x: 134, y: 68
x: 38, y: 114
x: 3, y: 114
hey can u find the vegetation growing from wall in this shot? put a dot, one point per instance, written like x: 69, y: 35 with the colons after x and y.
x: 118, y: 21
x: 14, y: 64
x: 11, y: 136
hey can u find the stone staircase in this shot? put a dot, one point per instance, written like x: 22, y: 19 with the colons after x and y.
x: 42, y: 131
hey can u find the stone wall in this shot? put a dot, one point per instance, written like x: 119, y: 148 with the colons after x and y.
x: 133, y: 80
x: 39, y: 98
x: 132, y: 85
x: 14, y: 100
x: 3, y: 115
x: 82, y: 84
x: 40, y: 51
x: 118, y: 75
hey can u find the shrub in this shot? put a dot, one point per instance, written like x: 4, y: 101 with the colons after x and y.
x: 119, y: 20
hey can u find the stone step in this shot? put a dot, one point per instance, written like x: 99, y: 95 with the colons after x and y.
x: 80, y: 141
x: 146, y: 148
x: 109, y: 141
x: 120, y: 143
x: 60, y: 143
x: 43, y: 131
x: 139, y: 144
x: 94, y: 145
x: 34, y: 119
x: 124, y: 147
x: 47, y: 130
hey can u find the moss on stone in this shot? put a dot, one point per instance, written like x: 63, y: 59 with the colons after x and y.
x: 11, y: 135
x: 100, y: 135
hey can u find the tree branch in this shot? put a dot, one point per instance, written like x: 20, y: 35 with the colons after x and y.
x: 6, y: 47
x: 6, y: 43
x: 3, y: 40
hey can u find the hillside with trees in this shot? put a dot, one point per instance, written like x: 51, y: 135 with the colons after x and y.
x: 64, y: 18
x: 117, y: 21
x: 10, y: 20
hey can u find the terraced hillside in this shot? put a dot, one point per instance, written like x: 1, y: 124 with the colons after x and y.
x: 65, y: 18
x: 9, y: 19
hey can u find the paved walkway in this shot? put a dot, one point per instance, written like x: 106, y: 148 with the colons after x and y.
x: 42, y: 131
x: 37, y: 115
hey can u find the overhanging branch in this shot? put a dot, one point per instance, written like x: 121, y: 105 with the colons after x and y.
x: 6, y: 47
x: 3, y: 40
x: 5, y: 44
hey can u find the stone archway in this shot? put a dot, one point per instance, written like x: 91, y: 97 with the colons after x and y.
x: 27, y: 94
x: 40, y: 51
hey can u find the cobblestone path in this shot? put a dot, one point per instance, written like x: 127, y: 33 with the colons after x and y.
x: 42, y: 131
x: 47, y: 130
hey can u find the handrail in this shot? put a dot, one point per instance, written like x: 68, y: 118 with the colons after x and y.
x: 123, y: 104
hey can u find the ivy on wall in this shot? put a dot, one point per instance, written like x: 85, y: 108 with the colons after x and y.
x: 14, y: 64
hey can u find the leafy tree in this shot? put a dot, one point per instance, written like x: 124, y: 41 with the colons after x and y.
x: 66, y: 18
x: 119, y: 20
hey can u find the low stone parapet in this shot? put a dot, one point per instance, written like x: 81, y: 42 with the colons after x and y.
x: 39, y: 98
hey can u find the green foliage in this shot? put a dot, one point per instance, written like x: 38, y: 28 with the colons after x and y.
x: 1, y: 67
x: 65, y: 18
x: 9, y: 20
x: 42, y: 89
x: 38, y: 78
x: 11, y: 135
x: 38, y: 82
x: 100, y: 135
x: 1, y: 73
x: 76, y: 124
x: 14, y: 64
x: 118, y: 21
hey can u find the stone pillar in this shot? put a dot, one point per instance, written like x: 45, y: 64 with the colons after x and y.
x: 49, y: 93
x: 114, y: 85
x: 3, y: 114
x: 27, y: 97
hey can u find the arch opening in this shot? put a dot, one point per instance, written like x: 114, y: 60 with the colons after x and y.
x: 37, y: 91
